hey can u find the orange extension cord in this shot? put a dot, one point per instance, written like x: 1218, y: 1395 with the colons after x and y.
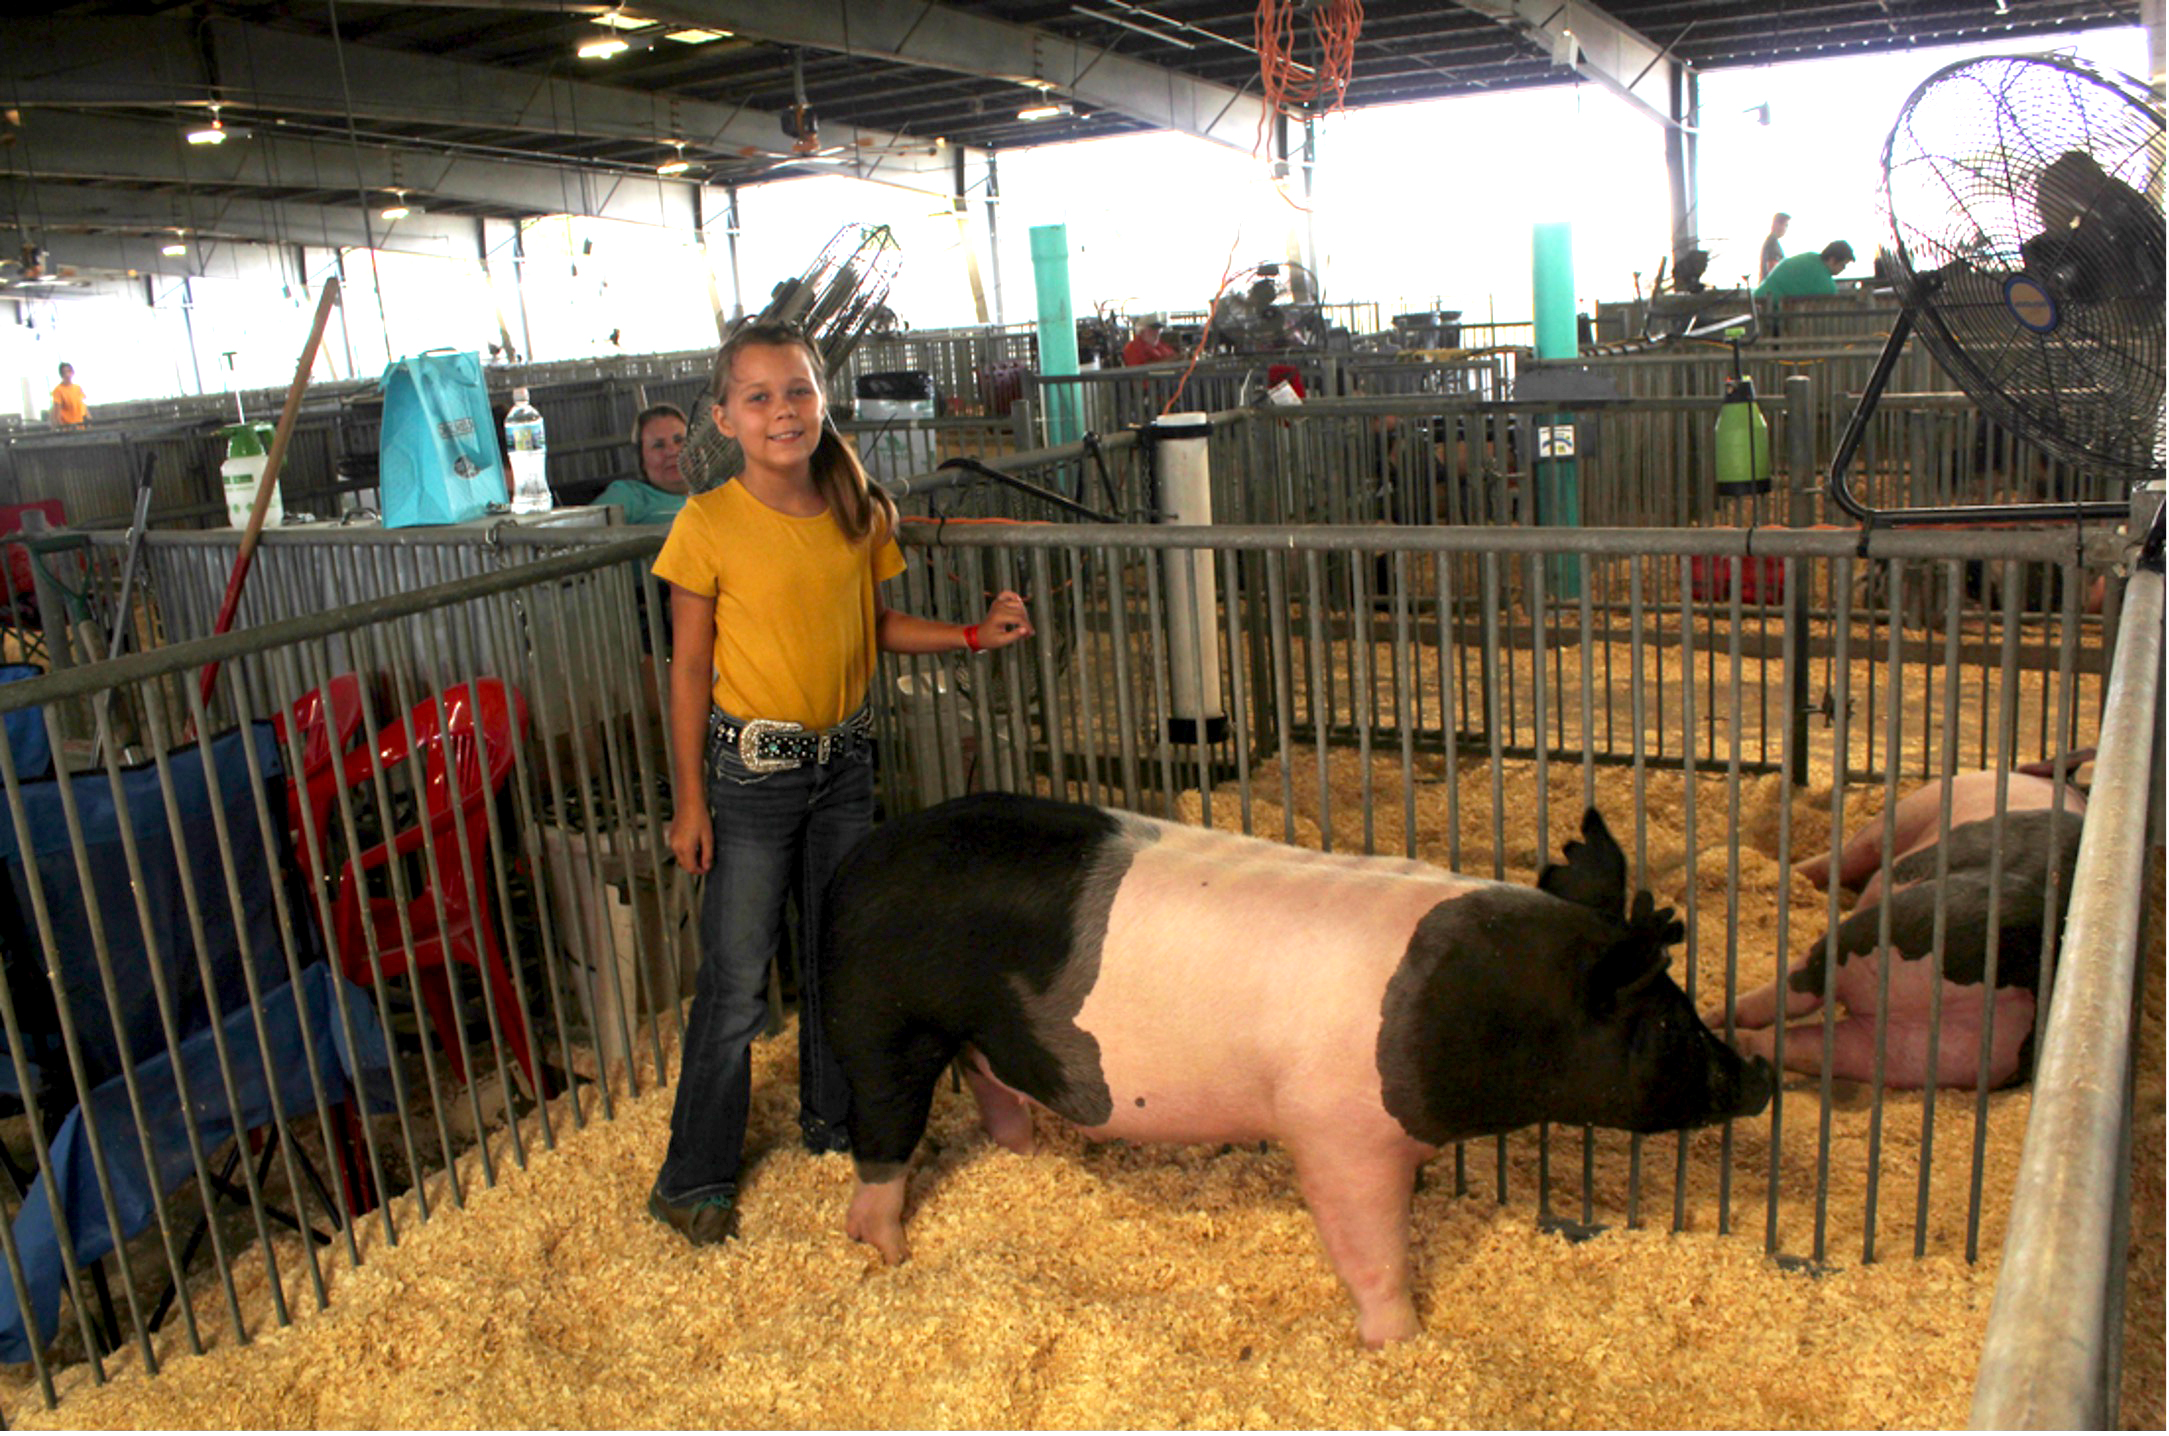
x: 1337, y: 24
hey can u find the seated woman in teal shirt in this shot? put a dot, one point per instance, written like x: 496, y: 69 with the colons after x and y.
x: 656, y: 496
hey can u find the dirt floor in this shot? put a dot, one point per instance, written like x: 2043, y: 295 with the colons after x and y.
x: 1100, y: 1285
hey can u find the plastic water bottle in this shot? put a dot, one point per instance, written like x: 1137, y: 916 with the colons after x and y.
x: 530, y: 459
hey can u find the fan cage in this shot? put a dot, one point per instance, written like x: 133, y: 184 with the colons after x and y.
x: 2023, y: 197
x: 835, y: 303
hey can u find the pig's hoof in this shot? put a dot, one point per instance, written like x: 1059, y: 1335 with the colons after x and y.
x: 875, y: 1217
x: 1393, y: 1322
x: 887, y: 1238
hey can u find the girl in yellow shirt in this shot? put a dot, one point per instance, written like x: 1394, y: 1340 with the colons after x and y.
x: 776, y: 619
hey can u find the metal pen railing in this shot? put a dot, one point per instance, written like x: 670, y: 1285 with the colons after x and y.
x: 1449, y: 692
x: 249, y: 957
x: 1323, y: 465
x: 2053, y: 1353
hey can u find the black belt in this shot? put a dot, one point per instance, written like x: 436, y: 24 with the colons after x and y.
x: 771, y: 745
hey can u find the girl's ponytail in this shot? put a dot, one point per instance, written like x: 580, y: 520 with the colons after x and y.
x: 858, y: 504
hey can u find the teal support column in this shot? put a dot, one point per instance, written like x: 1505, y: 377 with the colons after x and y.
x: 1552, y: 280
x: 1558, y: 483
x: 1057, y: 329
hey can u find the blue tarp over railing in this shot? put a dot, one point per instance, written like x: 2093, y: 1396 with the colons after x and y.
x: 115, y: 1006
x: 366, y: 1065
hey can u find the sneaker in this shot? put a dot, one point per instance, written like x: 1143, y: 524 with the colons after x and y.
x: 706, y: 1221
x: 822, y: 1138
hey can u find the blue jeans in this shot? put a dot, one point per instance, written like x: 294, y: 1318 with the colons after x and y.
x: 771, y: 830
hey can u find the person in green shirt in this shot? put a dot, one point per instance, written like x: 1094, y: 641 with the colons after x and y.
x: 657, y: 495
x: 1807, y: 274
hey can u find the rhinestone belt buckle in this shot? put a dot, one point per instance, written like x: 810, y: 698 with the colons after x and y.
x: 749, y: 745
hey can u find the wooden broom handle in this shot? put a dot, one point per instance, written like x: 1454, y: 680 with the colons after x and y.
x: 254, y: 532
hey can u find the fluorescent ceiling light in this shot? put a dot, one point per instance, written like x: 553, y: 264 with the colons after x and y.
x: 174, y: 250
x: 396, y: 211
x: 630, y: 24
x: 674, y: 167
x: 1045, y: 110
x: 211, y: 134
x: 603, y: 49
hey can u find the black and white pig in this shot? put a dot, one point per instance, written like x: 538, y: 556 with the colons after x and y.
x: 1908, y: 999
x: 1163, y: 983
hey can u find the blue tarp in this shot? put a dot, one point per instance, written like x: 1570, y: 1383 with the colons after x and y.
x: 130, y: 1031
x: 110, y: 896
x: 367, y: 1066
x: 26, y: 729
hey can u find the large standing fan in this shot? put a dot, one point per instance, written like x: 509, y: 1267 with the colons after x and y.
x: 2024, y: 201
x: 836, y: 303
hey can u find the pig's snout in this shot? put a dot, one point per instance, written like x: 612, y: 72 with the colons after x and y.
x: 1758, y: 1083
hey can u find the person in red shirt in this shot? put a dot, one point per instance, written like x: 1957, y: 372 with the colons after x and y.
x: 1146, y: 346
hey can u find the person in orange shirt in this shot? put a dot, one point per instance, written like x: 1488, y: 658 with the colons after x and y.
x: 1147, y: 347
x: 69, y: 406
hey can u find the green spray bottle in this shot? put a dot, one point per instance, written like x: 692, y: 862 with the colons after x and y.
x: 1743, y: 436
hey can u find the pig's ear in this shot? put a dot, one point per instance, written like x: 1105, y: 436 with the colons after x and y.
x: 1657, y: 924
x: 1594, y: 874
x: 1638, y: 958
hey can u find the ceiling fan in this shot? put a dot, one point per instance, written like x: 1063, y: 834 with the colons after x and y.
x: 31, y: 274
x: 804, y: 129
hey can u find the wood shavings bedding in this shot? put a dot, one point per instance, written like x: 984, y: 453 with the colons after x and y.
x: 1101, y: 1285
x: 1081, y: 1288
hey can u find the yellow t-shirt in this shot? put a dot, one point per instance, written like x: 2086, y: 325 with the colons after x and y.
x: 68, y: 404
x: 794, y: 604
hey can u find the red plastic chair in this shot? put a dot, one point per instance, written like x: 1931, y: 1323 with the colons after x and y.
x: 21, y: 586
x: 309, y: 794
x: 453, y: 809
x: 18, y: 585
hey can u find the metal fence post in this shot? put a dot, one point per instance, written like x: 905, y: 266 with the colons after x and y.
x: 1800, y: 460
x: 1023, y: 418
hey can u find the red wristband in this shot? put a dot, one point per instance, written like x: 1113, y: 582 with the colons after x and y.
x: 971, y: 638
